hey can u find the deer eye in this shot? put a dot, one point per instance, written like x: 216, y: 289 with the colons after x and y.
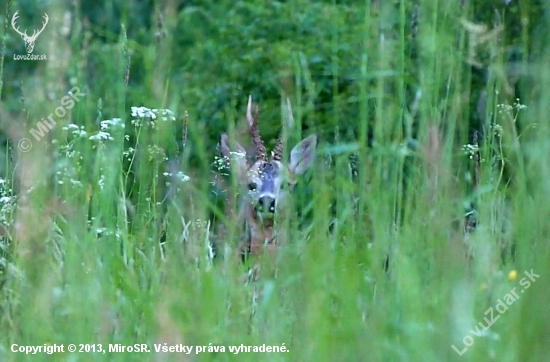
x: 252, y: 186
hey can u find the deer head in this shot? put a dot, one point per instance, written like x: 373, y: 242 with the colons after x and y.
x: 29, y: 40
x: 265, y: 181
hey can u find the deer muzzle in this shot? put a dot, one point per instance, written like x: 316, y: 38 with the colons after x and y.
x: 266, y: 205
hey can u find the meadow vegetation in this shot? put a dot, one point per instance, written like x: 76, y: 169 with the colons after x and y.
x: 426, y: 205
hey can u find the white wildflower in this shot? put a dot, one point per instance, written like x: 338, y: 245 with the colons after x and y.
x: 101, y: 136
x: 180, y: 176
x: 112, y: 123
x: 143, y: 112
x: 5, y: 200
x: 75, y: 130
x: 470, y: 150
x: 146, y: 116
x: 101, y: 182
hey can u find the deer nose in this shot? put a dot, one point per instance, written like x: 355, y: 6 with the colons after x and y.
x: 267, y: 203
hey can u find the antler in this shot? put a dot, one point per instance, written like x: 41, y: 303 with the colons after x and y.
x: 24, y: 34
x: 43, y: 26
x: 261, y: 153
x: 278, y: 151
x: 13, y: 19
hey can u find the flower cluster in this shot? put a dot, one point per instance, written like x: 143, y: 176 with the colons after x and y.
x: 143, y: 116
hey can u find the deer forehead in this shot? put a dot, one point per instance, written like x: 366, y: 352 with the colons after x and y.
x: 265, y: 172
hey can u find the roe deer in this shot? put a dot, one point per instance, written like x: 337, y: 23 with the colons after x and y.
x: 263, y: 187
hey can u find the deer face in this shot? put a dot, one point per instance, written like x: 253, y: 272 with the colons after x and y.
x: 265, y: 182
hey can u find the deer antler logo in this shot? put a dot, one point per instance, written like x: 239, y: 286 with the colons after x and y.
x: 29, y: 40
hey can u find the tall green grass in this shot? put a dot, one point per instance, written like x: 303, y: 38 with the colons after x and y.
x: 110, y: 216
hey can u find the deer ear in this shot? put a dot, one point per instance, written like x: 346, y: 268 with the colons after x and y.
x: 237, y: 158
x: 225, y: 146
x: 303, y: 155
